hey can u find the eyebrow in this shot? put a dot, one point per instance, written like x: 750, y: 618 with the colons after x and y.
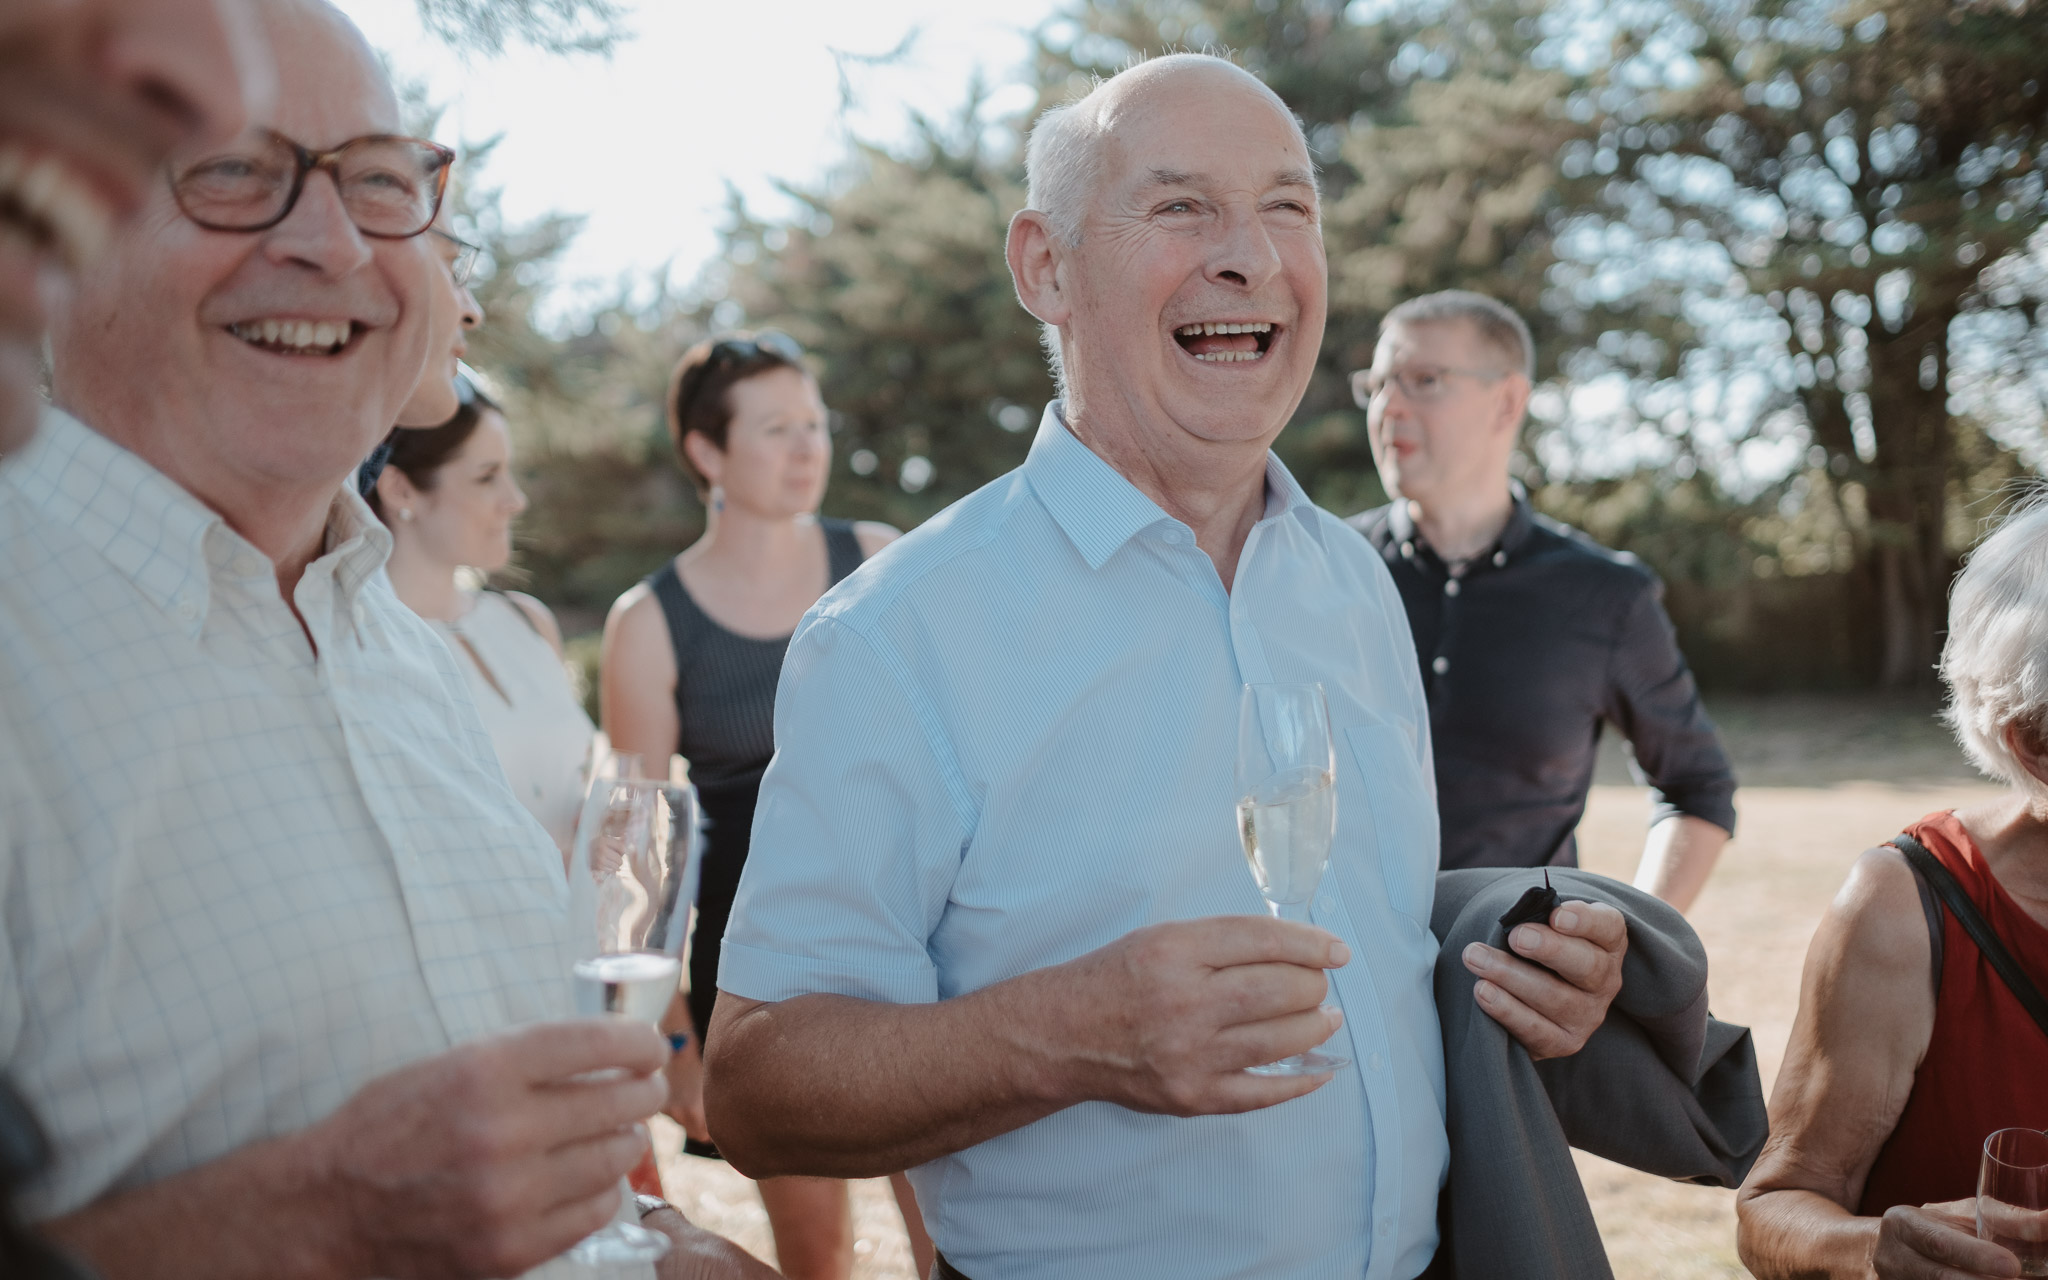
x: 1179, y: 178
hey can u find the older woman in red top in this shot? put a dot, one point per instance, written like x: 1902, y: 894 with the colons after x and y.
x: 1909, y: 1049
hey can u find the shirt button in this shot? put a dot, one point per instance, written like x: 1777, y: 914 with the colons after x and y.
x: 1385, y: 1228
x: 186, y: 609
x: 1451, y: 588
x: 1375, y: 1062
x: 1440, y: 666
x: 1408, y: 550
x: 1499, y: 558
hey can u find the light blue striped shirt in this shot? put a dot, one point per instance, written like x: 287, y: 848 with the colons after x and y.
x: 1008, y: 740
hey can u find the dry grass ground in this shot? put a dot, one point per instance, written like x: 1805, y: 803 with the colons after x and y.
x: 1823, y: 778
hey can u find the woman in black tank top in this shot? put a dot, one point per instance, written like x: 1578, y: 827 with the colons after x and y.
x: 691, y: 660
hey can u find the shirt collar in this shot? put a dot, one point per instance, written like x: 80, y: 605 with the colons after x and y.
x: 157, y: 535
x: 1521, y: 523
x: 1100, y: 510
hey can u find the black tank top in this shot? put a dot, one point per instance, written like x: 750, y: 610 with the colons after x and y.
x: 725, y: 705
x: 725, y: 683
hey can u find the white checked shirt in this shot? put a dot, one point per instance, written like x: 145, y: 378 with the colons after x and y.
x: 235, y: 882
x: 1008, y: 740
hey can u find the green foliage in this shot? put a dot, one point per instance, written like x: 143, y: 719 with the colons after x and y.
x: 894, y: 277
x: 558, y: 26
x: 1793, y: 232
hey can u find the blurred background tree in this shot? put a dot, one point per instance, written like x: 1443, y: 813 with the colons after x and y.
x: 558, y: 26
x: 1783, y: 259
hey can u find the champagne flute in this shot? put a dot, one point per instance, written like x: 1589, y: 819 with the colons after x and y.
x: 1287, y: 813
x: 2012, y: 1196
x: 633, y: 838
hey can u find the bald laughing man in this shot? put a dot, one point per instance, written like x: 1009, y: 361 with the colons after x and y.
x: 996, y: 883
x: 284, y: 970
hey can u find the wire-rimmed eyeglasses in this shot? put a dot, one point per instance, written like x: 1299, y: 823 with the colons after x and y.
x: 1422, y: 383
x: 462, y: 255
x: 390, y: 186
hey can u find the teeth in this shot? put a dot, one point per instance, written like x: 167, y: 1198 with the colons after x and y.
x: 297, y: 337
x: 59, y: 207
x: 1229, y: 357
x: 1210, y: 328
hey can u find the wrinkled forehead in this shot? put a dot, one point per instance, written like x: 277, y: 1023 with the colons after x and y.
x: 1210, y: 122
x: 332, y: 87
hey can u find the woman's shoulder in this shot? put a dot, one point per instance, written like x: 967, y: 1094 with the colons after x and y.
x: 536, y: 615
x: 873, y: 535
x: 1876, y: 926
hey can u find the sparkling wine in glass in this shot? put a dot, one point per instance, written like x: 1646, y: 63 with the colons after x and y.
x: 1287, y: 814
x: 2012, y: 1196
x: 634, y: 841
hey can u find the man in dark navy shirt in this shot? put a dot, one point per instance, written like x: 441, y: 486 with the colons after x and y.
x: 1531, y: 636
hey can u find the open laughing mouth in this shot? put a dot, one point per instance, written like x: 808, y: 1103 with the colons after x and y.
x: 1226, y: 342
x: 297, y: 337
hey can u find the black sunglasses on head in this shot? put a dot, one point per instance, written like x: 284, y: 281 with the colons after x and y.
x: 736, y: 350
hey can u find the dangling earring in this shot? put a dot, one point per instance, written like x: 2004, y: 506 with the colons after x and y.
x: 717, y: 498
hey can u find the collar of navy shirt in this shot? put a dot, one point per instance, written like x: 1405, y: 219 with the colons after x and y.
x: 1407, y: 540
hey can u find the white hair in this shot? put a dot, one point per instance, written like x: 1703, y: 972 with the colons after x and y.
x: 1996, y: 657
x: 1063, y: 159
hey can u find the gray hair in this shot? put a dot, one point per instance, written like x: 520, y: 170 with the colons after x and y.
x: 1996, y: 657
x: 1498, y: 324
x: 1063, y: 159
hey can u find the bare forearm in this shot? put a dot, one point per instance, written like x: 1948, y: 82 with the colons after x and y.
x: 838, y: 1087
x: 1794, y: 1234
x: 1678, y: 857
x: 260, y: 1212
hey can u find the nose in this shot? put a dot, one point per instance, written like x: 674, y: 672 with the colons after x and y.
x: 201, y: 67
x: 518, y: 498
x: 318, y: 232
x: 1244, y: 254
x: 472, y: 310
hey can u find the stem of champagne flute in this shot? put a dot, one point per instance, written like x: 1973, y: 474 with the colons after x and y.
x: 1295, y: 911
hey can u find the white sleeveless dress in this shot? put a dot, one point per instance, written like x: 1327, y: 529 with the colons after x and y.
x: 523, y: 694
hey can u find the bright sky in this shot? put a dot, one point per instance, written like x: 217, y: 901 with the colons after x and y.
x: 702, y: 95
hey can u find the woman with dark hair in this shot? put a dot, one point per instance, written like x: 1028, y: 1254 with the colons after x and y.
x: 691, y: 660
x: 449, y: 498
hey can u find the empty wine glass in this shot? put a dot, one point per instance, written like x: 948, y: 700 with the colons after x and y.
x: 2012, y: 1196
x: 1287, y: 813
x: 634, y: 841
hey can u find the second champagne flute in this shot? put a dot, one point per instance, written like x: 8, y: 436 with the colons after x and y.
x: 633, y: 836
x: 1287, y: 814
x: 2012, y: 1196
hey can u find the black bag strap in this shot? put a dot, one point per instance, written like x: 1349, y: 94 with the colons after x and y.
x: 1965, y: 911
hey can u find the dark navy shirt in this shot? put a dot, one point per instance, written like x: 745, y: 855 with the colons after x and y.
x: 1538, y: 642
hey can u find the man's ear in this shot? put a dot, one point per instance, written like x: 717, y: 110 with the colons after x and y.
x: 1035, y: 256
x: 2029, y: 746
x: 1512, y: 403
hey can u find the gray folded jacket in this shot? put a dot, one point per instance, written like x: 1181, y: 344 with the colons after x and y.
x: 1662, y: 1086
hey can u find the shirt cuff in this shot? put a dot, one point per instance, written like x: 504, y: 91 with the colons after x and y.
x: 1715, y: 804
x: 771, y: 976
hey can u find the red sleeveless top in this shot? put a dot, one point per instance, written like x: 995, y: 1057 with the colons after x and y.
x: 1987, y: 1062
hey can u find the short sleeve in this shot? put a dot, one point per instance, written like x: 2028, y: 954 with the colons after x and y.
x: 1657, y: 707
x: 857, y: 835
